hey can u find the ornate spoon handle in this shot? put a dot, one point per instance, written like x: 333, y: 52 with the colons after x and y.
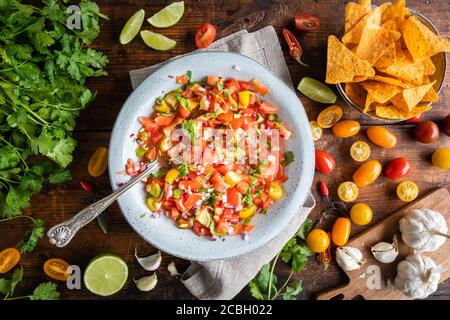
x: 61, y: 234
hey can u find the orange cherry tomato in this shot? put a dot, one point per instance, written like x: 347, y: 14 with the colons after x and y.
x: 346, y: 128
x: 382, y: 137
x: 9, y: 258
x: 367, y: 173
x: 98, y: 162
x: 57, y: 269
x: 341, y: 231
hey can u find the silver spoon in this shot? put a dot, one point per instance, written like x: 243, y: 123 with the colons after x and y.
x: 61, y: 234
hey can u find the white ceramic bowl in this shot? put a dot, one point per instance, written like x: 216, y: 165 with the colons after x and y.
x: 161, y: 232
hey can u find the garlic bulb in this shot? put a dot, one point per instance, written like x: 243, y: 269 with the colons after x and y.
x: 417, y: 276
x: 147, y: 283
x: 349, y: 258
x: 173, y: 269
x: 385, y: 252
x: 423, y: 230
x: 150, y: 263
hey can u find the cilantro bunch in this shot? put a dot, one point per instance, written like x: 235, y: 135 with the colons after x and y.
x: 43, y: 69
x: 264, y: 285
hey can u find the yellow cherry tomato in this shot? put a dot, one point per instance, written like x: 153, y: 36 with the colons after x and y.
x: 247, y: 212
x: 407, y: 191
x: 382, y: 137
x: 244, y: 98
x: 346, y: 128
x: 275, y: 191
x: 232, y: 178
x: 316, y: 130
x: 9, y: 258
x: 57, y: 269
x: 98, y: 162
x: 348, y: 191
x: 367, y: 173
x: 153, y: 204
x: 172, y: 175
x: 341, y: 231
x: 329, y: 116
x: 360, y: 151
x: 318, y: 240
x: 441, y: 158
x: 361, y: 214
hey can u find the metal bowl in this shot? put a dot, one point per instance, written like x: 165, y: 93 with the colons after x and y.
x: 439, y: 60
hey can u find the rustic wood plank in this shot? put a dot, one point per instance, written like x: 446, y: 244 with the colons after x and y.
x: 56, y: 203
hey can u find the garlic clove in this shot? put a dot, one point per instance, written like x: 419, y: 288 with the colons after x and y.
x: 149, y: 263
x: 385, y: 252
x: 147, y: 283
x: 173, y: 269
x: 349, y: 258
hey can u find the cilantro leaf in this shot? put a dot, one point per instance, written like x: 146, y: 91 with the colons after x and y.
x: 177, y: 193
x: 219, y: 85
x: 190, y: 129
x: 189, y: 75
x: 31, y: 237
x: 288, y: 158
x: 292, y: 292
x: 304, y: 229
x: 184, y: 169
x: 296, y: 254
x: 183, y: 101
x: 45, y: 291
x: 59, y: 176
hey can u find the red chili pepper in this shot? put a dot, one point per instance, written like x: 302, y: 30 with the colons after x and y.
x: 86, y: 186
x: 323, y: 189
x: 295, y: 50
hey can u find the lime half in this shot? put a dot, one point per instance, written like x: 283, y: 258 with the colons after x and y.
x: 106, y: 274
x: 168, y: 16
x: 157, y: 41
x: 132, y: 27
x: 316, y: 90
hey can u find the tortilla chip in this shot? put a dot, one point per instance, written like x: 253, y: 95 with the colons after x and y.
x: 368, y: 104
x: 415, y: 39
x: 379, y: 91
x: 391, y: 113
x: 343, y: 65
x: 406, y: 70
x: 430, y: 96
x: 353, y: 13
x: 389, y: 25
x: 356, y: 93
x: 428, y: 67
x: 411, y: 97
x: 365, y: 3
x: 389, y: 80
x: 388, y: 58
x: 357, y: 79
x: 399, y: 54
x: 426, y: 80
x: 436, y: 43
x: 395, y: 12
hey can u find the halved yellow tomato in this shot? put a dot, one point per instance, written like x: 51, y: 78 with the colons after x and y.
x: 9, y: 258
x: 57, y: 269
x: 407, y: 191
x: 316, y: 130
x: 329, y: 116
x: 360, y: 151
x: 348, y: 191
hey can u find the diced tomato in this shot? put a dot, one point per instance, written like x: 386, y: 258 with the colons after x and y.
x: 232, y: 85
x: 180, y: 205
x: 192, y: 200
x: 212, y: 80
x: 222, y: 227
x: 285, y: 133
x: 226, y: 117
x: 174, y: 214
x: 200, y: 230
x: 245, y: 85
x: 183, y: 79
x: 236, y: 123
x: 234, y: 197
x: 130, y: 168
x: 151, y: 154
x: 259, y: 87
x: 218, y: 182
x: 209, y: 170
x: 267, y: 203
x: 147, y: 123
x: 252, y: 99
x: 198, y: 89
x: 266, y: 108
x: 162, y: 121
x: 247, y: 111
x: 184, y: 112
x: 194, y: 185
x: 187, y: 94
x: 242, y: 187
x: 237, y: 229
x: 248, y: 227
x: 156, y: 137
x: 224, y: 168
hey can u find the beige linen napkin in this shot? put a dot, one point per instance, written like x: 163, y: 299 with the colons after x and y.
x: 223, y: 279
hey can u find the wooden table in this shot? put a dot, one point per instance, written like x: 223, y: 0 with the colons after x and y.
x: 57, y: 203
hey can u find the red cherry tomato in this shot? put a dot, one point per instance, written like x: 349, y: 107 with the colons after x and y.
x: 324, y: 162
x: 446, y: 125
x: 306, y: 22
x: 397, y: 168
x: 426, y: 132
x: 200, y: 230
x: 205, y: 35
x: 415, y: 119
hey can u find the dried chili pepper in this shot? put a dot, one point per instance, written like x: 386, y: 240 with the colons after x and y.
x: 295, y: 50
x: 86, y: 186
x: 325, y: 257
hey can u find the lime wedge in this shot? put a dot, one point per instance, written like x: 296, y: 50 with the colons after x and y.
x: 157, y: 41
x: 316, y: 90
x: 106, y: 274
x: 168, y: 16
x: 132, y: 27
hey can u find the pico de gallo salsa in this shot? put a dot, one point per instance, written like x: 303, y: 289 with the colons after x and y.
x: 212, y: 199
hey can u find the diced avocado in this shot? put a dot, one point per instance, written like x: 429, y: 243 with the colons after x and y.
x: 171, y: 98
x: 163, y: 107
x: 204, y: 217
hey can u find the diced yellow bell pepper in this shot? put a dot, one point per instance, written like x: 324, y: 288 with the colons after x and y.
x: 275, y: 191
x: 244, y: 98
x: 172, y: 175
x: 247, y: 212
x: 165, y: 144
x: 163, y: 107
x: 153, y: 204
x: 232, y: 178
